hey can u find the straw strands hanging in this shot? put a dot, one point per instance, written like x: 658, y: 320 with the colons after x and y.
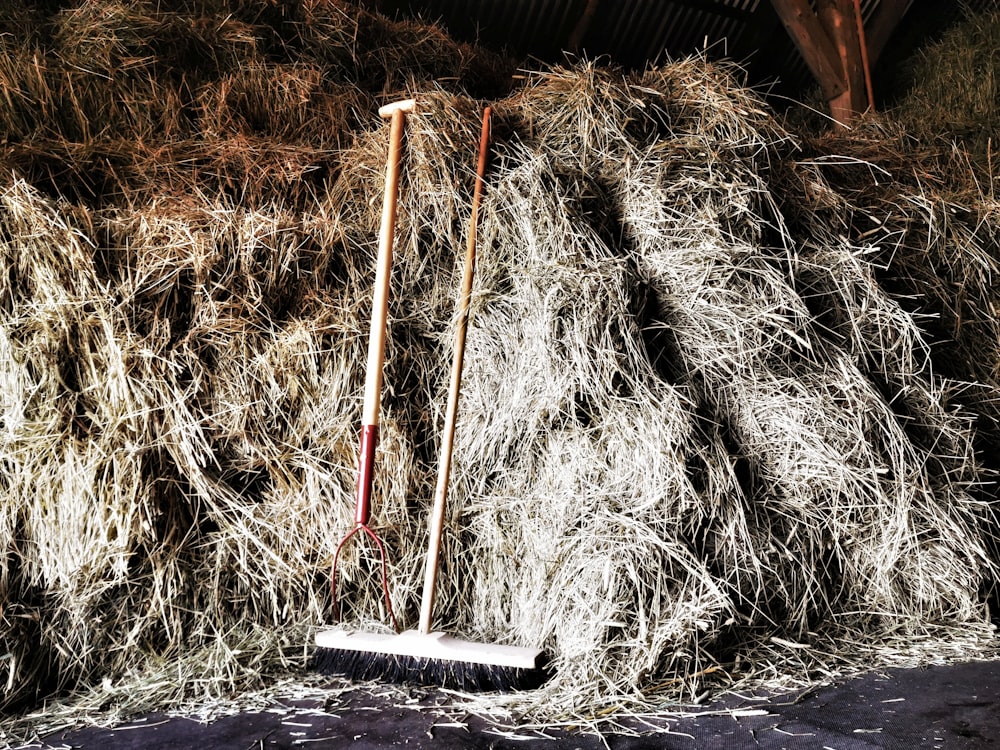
x: 705, y: 438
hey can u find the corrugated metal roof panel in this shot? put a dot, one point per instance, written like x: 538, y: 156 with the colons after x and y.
x: 636, y: 32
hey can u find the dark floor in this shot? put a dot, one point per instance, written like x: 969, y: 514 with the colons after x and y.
x: 956, y: 706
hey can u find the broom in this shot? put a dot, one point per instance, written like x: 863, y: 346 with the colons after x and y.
x: 424, y: 656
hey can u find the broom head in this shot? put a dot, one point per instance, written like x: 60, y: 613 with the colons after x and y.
x: 428, y: 659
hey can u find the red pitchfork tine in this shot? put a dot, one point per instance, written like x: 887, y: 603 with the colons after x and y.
x: 376, y: 355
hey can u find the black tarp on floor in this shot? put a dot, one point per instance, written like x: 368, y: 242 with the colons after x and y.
x: 956, y: 706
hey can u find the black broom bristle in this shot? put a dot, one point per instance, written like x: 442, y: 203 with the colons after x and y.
x: 469, y: 677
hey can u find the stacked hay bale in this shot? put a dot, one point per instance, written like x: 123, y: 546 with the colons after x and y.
x: 929, y: 208
x: 703, y: 438
x: 713, y: 438
x: 954, y: 92
x: 189, y: 278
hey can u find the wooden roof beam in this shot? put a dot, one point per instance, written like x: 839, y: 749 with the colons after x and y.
x: 816, y: 48
x: 829, y: 40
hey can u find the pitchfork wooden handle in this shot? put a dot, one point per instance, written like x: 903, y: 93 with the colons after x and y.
x: 380, y: 306
x: 376, y: 357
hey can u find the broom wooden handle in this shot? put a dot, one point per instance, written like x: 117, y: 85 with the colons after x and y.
x: 380, y: 306
x: 448, y: 437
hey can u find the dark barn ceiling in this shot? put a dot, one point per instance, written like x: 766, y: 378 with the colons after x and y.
x: 634, y: 33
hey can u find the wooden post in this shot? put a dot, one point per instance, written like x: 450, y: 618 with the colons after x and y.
x: 829, y: 42
x: 865, y: 64
x: 838, y: 19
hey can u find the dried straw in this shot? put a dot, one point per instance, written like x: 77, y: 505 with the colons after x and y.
x: 952, y: 94
x: 706, y: 435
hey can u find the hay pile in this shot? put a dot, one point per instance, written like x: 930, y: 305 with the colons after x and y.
x: 707, y: 435
x: 954, y: 92
x: 704, y: 436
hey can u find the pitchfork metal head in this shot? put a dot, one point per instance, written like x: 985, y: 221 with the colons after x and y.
x: 365, y: 529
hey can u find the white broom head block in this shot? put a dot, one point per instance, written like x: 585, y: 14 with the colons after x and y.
x: 439, y: 646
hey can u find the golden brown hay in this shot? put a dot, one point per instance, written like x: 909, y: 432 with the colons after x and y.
x: 708, y: 437
x: 955, y: 92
